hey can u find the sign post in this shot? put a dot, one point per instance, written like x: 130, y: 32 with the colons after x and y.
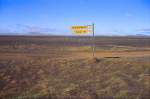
x: 93, y: 45
x: 80, y: 30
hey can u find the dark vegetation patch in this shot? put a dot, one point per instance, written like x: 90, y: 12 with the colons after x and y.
x: 112, y: 57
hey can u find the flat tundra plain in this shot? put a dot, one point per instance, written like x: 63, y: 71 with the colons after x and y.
x: 58, y: 67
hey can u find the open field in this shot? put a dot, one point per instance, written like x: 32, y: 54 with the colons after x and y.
x: 63, y: 68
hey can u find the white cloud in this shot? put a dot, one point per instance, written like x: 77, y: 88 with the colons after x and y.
x: 146, y: 30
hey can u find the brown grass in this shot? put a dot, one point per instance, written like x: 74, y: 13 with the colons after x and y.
x: 33, y: 68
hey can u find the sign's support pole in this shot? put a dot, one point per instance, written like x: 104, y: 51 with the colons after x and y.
x: 93, y: 45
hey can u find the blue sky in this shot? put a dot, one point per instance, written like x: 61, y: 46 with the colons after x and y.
x: 40, y: 17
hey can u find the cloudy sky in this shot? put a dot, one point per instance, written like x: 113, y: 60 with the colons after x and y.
x: 111, y: 17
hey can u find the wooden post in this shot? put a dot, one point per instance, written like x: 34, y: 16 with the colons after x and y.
x: 93, y: 45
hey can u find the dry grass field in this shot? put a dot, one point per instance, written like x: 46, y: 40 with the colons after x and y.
x: 58, y: 67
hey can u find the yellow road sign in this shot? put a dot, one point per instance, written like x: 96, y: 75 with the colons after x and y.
x: 82, y: 29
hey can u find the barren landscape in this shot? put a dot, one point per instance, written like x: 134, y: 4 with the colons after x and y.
x: 59, y: 67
